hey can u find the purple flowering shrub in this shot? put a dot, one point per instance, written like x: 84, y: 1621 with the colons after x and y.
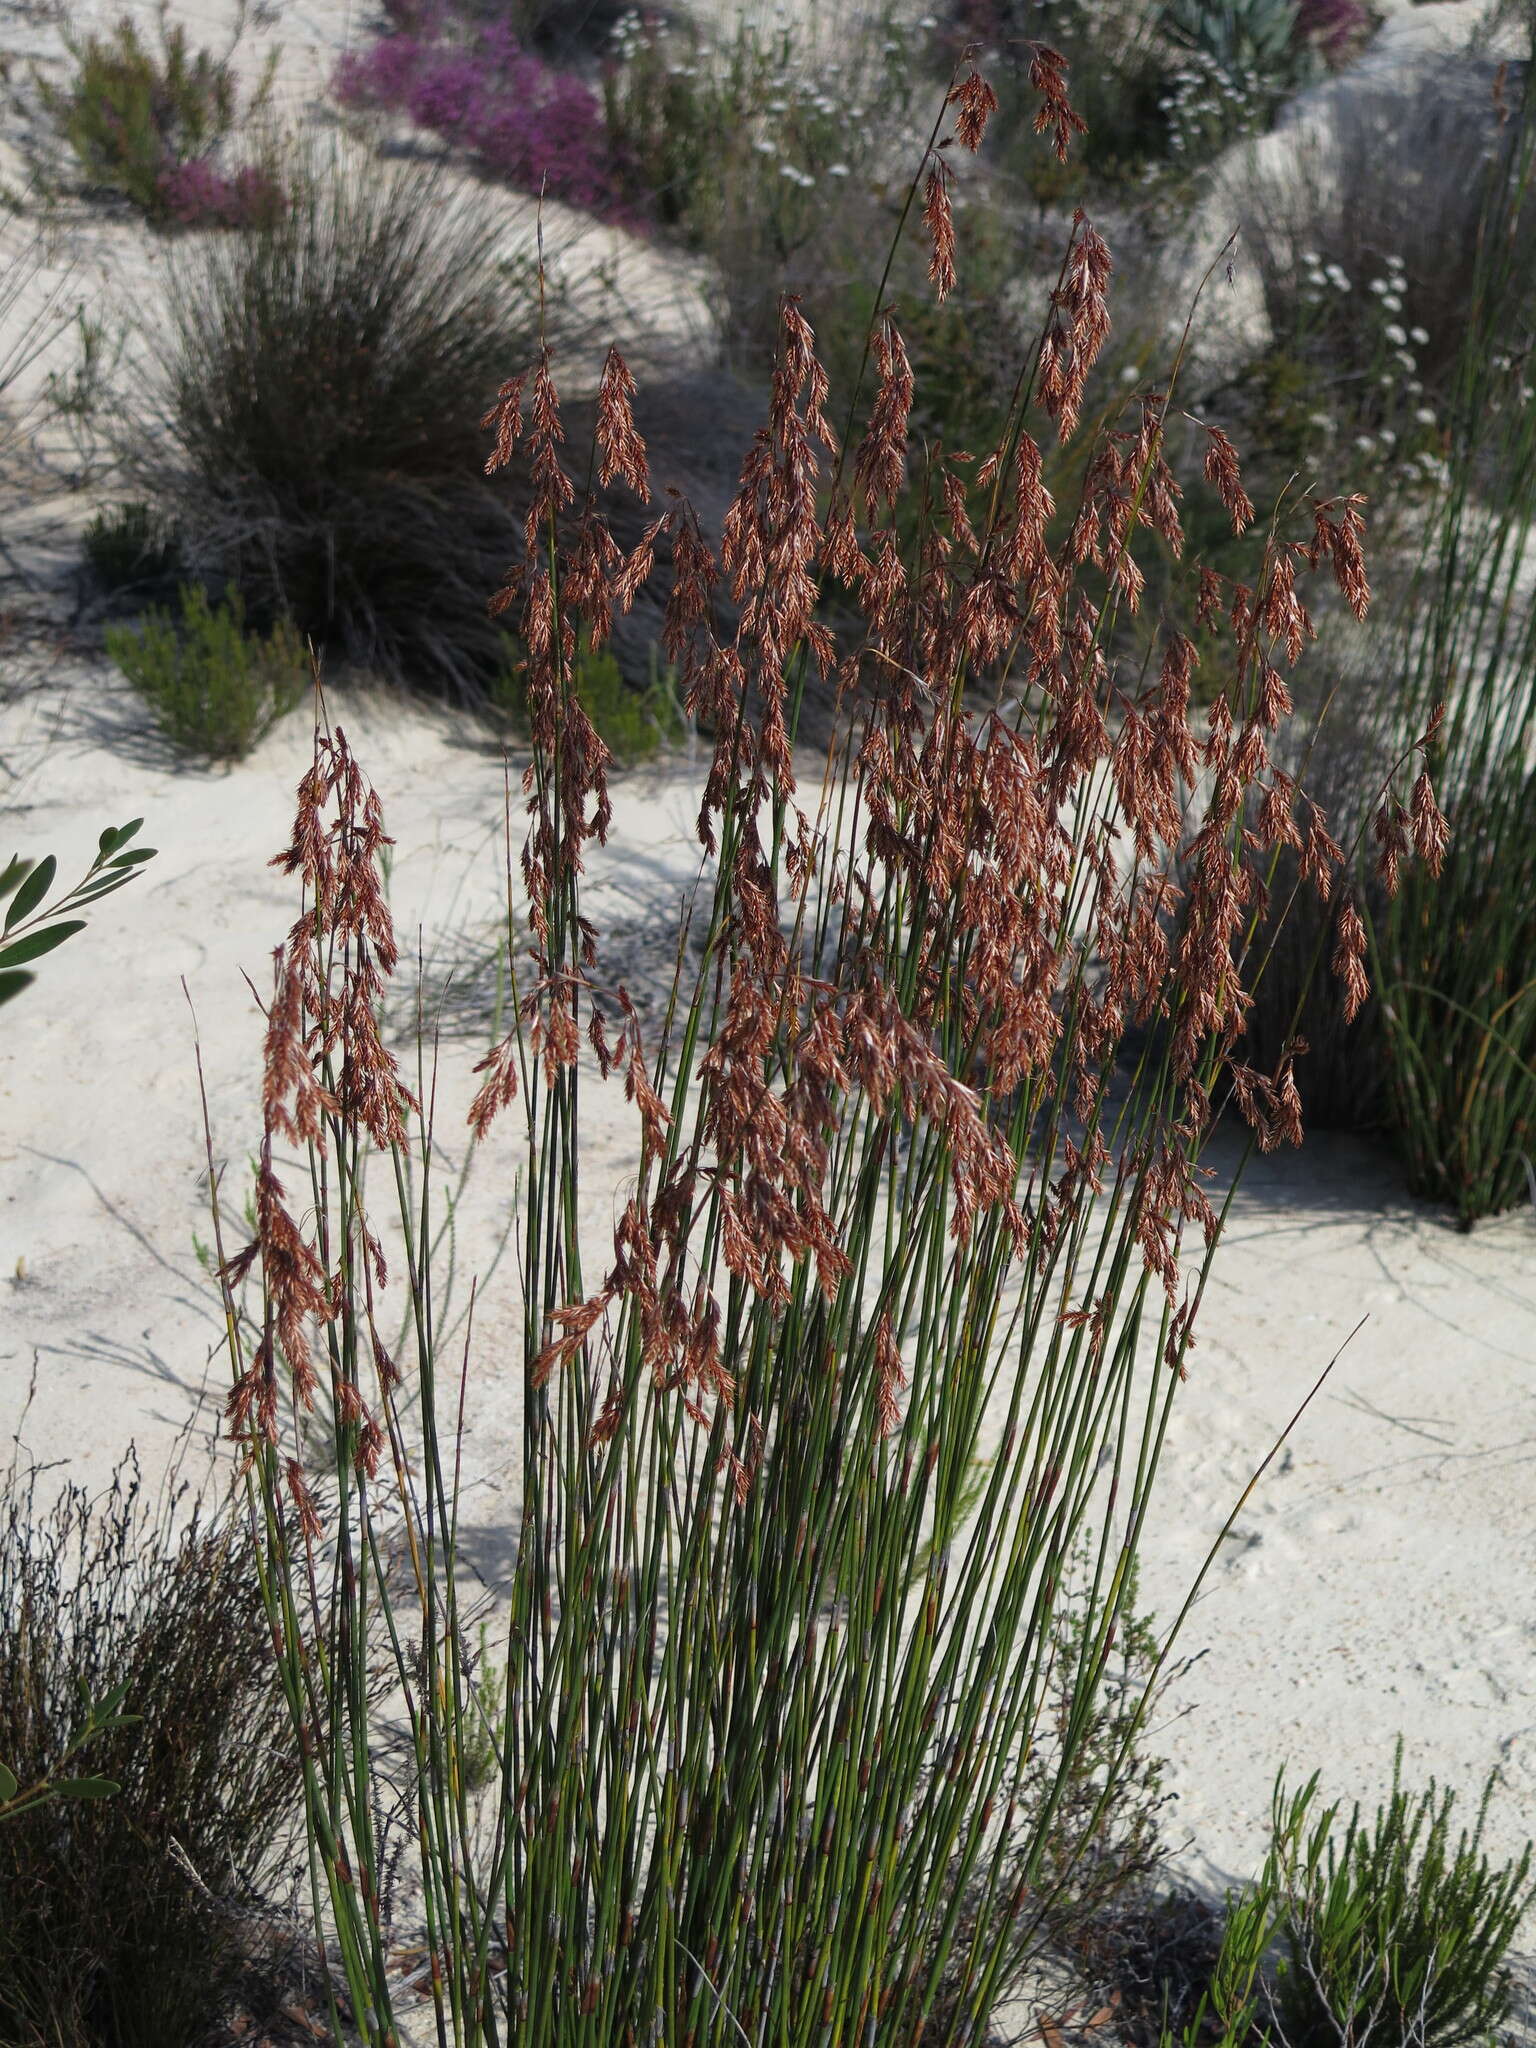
x: 1333, y: 26
x: 536, y: 127
x: 197, y: 194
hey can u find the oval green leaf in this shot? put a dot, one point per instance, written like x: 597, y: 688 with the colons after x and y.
x: 13, y: 984
x: 86, y: 1788
x: 8, y: 1785
x: 32, y: 891
x: 36, y: 944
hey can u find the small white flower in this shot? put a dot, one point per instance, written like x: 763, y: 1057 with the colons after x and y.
x: 1387, y: 438
x: 1425, y: 416
x: 1336, y: 277
x: 1392, y: 303
x: 1395, y: 263
x: 765, y: 148
x: 1409, y: 363
x: 1419, y: 334
x: 1365, y: 444
x: 1396, y: 335
x: 1321, y: 420
x: 1129, y: 374
x: 1380, y: 286
x: 837, y: 171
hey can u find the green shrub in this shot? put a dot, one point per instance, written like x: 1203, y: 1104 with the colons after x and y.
x: 130, y: 546
x: 214, y: 688
x: 1384, y: 1936
x: 1394, y: 1937
x: 632, y: 723
x: 132, y: 115
x: 120, y: 1915
x: 324, y: 381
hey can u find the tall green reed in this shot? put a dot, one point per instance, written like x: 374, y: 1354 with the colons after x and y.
x: 1453, y: 963
x: 917, y: 1199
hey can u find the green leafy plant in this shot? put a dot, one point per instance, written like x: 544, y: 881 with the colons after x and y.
x: 134, y: 116
x: 214, y: 688
x: 121, y: 1901
x: 100, y: 1717
x: 1239, y: 35
x: 1389, y: 1935
x: 29, y: 932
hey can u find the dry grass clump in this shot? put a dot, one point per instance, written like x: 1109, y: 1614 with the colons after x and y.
x: 314, y: 440
x: 122, y: 1917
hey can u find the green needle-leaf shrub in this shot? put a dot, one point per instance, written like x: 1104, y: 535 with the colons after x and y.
x: 214, y: 688
x: 1395, y: 1936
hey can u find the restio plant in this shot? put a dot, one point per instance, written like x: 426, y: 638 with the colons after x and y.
x: 1445, y: 1058
x: 140, y: 1626
x: 313, y: 433
x: 145, y: 122
x: 34, y: 926
x: 214, y: 688
x: 789, y: 1742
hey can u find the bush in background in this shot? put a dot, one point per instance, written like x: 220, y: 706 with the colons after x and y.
x: 479, y: 88
x: 1445, y: 1056
x: 316, y: 438
x: 129, y: 547
x: 120, y: 1916
x: 768, y: 150
x: 633, y: 723
x: 215, y: 689
x: 568, y: 31
x: 145, y: 123
x: 1384, y: 200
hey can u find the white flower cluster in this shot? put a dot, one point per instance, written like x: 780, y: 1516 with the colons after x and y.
x: 793, y: 105
x: 1405, y: 424
x: 1208, y: 105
